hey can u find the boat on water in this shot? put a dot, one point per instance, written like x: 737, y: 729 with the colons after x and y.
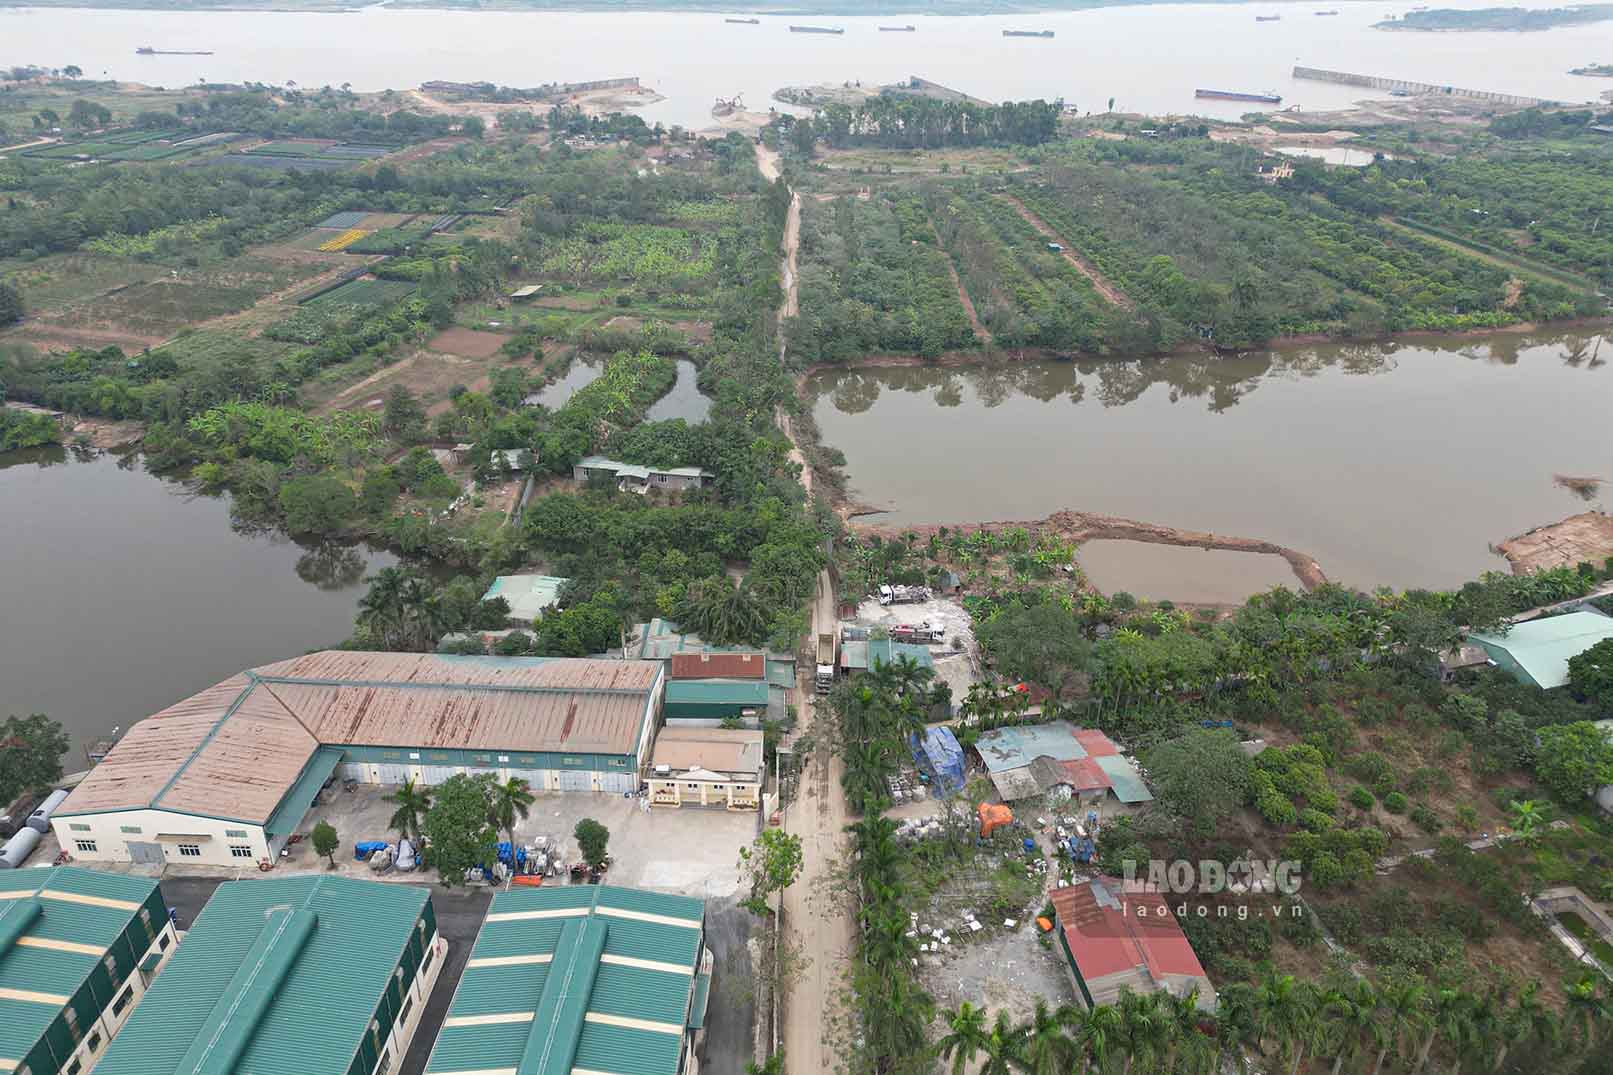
x: 1268, y: 18
x: 816, y: 30
x: 1327, y: 12
x: 1234, y: 95
x: 147, y: 50
x: 1027, y: 33
x: 744, y: 22
x: 897, y: 29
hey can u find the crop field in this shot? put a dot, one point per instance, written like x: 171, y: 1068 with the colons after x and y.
x: 365, y: 291
x: 342, y: 240
x: 59, y: 279
x: 120, y: 146
x: 641, y: 253
x: 319, y: 150
x: 873, y: 278
x: 392, y: 240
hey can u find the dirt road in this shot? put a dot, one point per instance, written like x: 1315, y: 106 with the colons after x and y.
x: 1108, y: 290
x: 767, y: 163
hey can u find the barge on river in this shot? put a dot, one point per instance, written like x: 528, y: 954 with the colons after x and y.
x: 897, y: 29
x: 816, y: 30
x: 1027, y: 33
x: 743, y: 22
x: 1233, y: 95
x: 147, y: 50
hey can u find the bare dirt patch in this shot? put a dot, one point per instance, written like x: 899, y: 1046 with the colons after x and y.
x: 59, y: 338
x: 427, y: 374
x: 1588, y: 536
x: 467, y: 343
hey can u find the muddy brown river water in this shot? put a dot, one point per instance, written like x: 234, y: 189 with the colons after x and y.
x: 1393, y: 464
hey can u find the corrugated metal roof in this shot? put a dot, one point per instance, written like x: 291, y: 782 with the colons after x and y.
x: 1110, y: 931
x: 745, y: 692
x: 528, y: 595
x: 1018, y: 745
x: 316, y: 1020
x: 1124, y: 781
x: 38, y: 915
x: 235, y: 750
x: 721, y: 750
x: 719, y: 666
x: 1542, y: 647
x: 598, y: 978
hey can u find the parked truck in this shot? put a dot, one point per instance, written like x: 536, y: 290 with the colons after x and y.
x: 903, y: 595
x: 826, y: 662
x: 926, y: 633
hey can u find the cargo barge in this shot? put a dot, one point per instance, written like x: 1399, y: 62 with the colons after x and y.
x: 147, y: 50
x: 897, y: 29
x: 816, y: 30
x: 1268, y: 18
x: 744, y: 22
x: 1233, y: 95
x: 1027, y: 33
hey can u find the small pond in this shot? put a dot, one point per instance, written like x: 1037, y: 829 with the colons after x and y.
x: 1179, y: 573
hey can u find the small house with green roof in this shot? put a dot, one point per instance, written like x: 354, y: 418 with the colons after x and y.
x: 307, y: 975
x: 1536, y: 652
x: 78, y: 950
x: 581, y: 978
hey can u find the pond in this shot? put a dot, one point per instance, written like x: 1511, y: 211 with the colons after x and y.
x: 1180, y: 573
x: 1392, y: 463
x: 684, y: 400
x: 1349, y: 156
x: 122, y: 592
x: 584, y: 370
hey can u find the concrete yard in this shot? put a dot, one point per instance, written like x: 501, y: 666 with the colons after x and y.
x: 1007, y: 973
x: 957, y: 660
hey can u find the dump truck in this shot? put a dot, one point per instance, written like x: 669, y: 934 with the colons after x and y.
x: 826, y: 662
x: 903, y: 595
x: 925, y: 633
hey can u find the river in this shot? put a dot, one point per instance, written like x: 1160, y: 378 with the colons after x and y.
x: 1393, y: 464
x: 124, y: 593
x: 1148, y: 58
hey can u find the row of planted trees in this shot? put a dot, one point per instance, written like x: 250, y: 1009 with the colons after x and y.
x: 1282, y: 1024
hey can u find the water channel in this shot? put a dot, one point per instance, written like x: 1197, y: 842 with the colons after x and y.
x: 1393, y: 464
x: 1148, y: 58
x: 123, y: 593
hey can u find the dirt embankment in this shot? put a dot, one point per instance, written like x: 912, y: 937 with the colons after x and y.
x: 1080, y: 526
x: 1578, y: 538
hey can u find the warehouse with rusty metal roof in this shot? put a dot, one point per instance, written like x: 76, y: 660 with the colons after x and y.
x: 582, y: 978
x: 289, y: 976
x: 226, y: 776
x: 78, y: 949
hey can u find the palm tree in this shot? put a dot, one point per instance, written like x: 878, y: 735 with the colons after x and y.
x: 1355, y: 1016
x: 1586, y: 1009
x: 1287, y: 1013
x: 1101, y: 1035
x: 1148, y: 1029
x: 966, y: 1037
x: 508, y: 802
x: 1004, y: 1047
x: 1538, y: 1023
x: 1451, y: 1020
x: 1048, y: 1049
x: 412, y: 802
x: 1406, y: 1011
x: 1193, y: 1052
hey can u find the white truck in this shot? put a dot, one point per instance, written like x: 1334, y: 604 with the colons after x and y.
x: 826, y: 662
x: 903, y: 595
x: 926, y: 633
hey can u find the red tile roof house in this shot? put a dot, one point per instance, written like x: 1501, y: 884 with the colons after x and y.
x: 1114, y: 940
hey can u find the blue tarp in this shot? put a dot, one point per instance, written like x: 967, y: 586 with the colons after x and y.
x: 939, y: 755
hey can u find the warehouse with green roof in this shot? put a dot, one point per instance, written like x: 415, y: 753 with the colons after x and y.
x: 309, y: 975
x: 78, y: 950
x: 588, y: 979
x: 1536, y: 652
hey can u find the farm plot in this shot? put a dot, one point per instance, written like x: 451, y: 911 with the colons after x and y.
x: 873, y: 278
x: 1025, y: 294
x: 118, y: 146
x: 309, y: 153
x: 365, y: 291
x: 640, y: 253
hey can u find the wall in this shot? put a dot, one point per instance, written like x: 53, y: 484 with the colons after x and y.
x: 112, y: 843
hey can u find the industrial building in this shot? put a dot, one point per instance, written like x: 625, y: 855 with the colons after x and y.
x: 290, y: 976
x: 631, y: 477
x: 708, y: 684
x: 708, y: 767
x: 78, y: 950
x: 227, y: 776
x: 1031, y: 760
x: 1536, y: 652
x: 529, y: 596
x: 1113, y: 940
x: 861, y: 655
x: 581, y: 979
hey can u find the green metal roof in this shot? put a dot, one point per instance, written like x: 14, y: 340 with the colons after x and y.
x: 1537, y: 651
x: 46, y: 905
x: 278, y: 976
x: 1124, y: 781
x: 297, y: 802
x: 589, y: 977
x: 742, y: 692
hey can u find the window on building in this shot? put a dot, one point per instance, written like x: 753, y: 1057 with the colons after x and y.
x: 237, y: 834
x: 190, y: 851
x: 240, y: 851
x: 131, y: 830
x: 425, y: 958
x: 392, y: 755
x: 570, y: 761
x: 74, y: 1068
x: 385, y: 1065
x: 87, y: 846
x: 76, y: 827
x: 123, y: 1001
x: 95, y: 1042
x: 408, y: 1006
x: 162, y: 942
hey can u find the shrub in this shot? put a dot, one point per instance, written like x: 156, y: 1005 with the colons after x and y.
x: 1362, y: 798
x: 1426, y: 819
x: 1395, y: 802
x: 1315, y: 820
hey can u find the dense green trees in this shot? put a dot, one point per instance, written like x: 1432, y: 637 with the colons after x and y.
x: 31, y: 750
x: 1200, y: 777
x: 915, y: 122
x: 457, y: 826
x: 1575, y: 760
x: 22, y: 429
x: 1590, y: 675
x: 11, y: 308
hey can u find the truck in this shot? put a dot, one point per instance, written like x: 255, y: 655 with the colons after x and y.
x: 925, y: 633
x: 826, y: 662
x: 903, y: 595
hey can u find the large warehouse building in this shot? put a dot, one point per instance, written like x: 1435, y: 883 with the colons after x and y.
x: 226, y: 776
x: 78, y: 949
x: 587, y: 979
x: 290, y: 976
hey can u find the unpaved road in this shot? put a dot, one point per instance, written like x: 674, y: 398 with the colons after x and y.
x: 1108, y: 290
x: 767, y: 163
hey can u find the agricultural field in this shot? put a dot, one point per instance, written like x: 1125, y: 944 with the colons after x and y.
x: 121, y: 146
x: 308, y: 154
x: 874, y: 279
x: 365, y: 291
